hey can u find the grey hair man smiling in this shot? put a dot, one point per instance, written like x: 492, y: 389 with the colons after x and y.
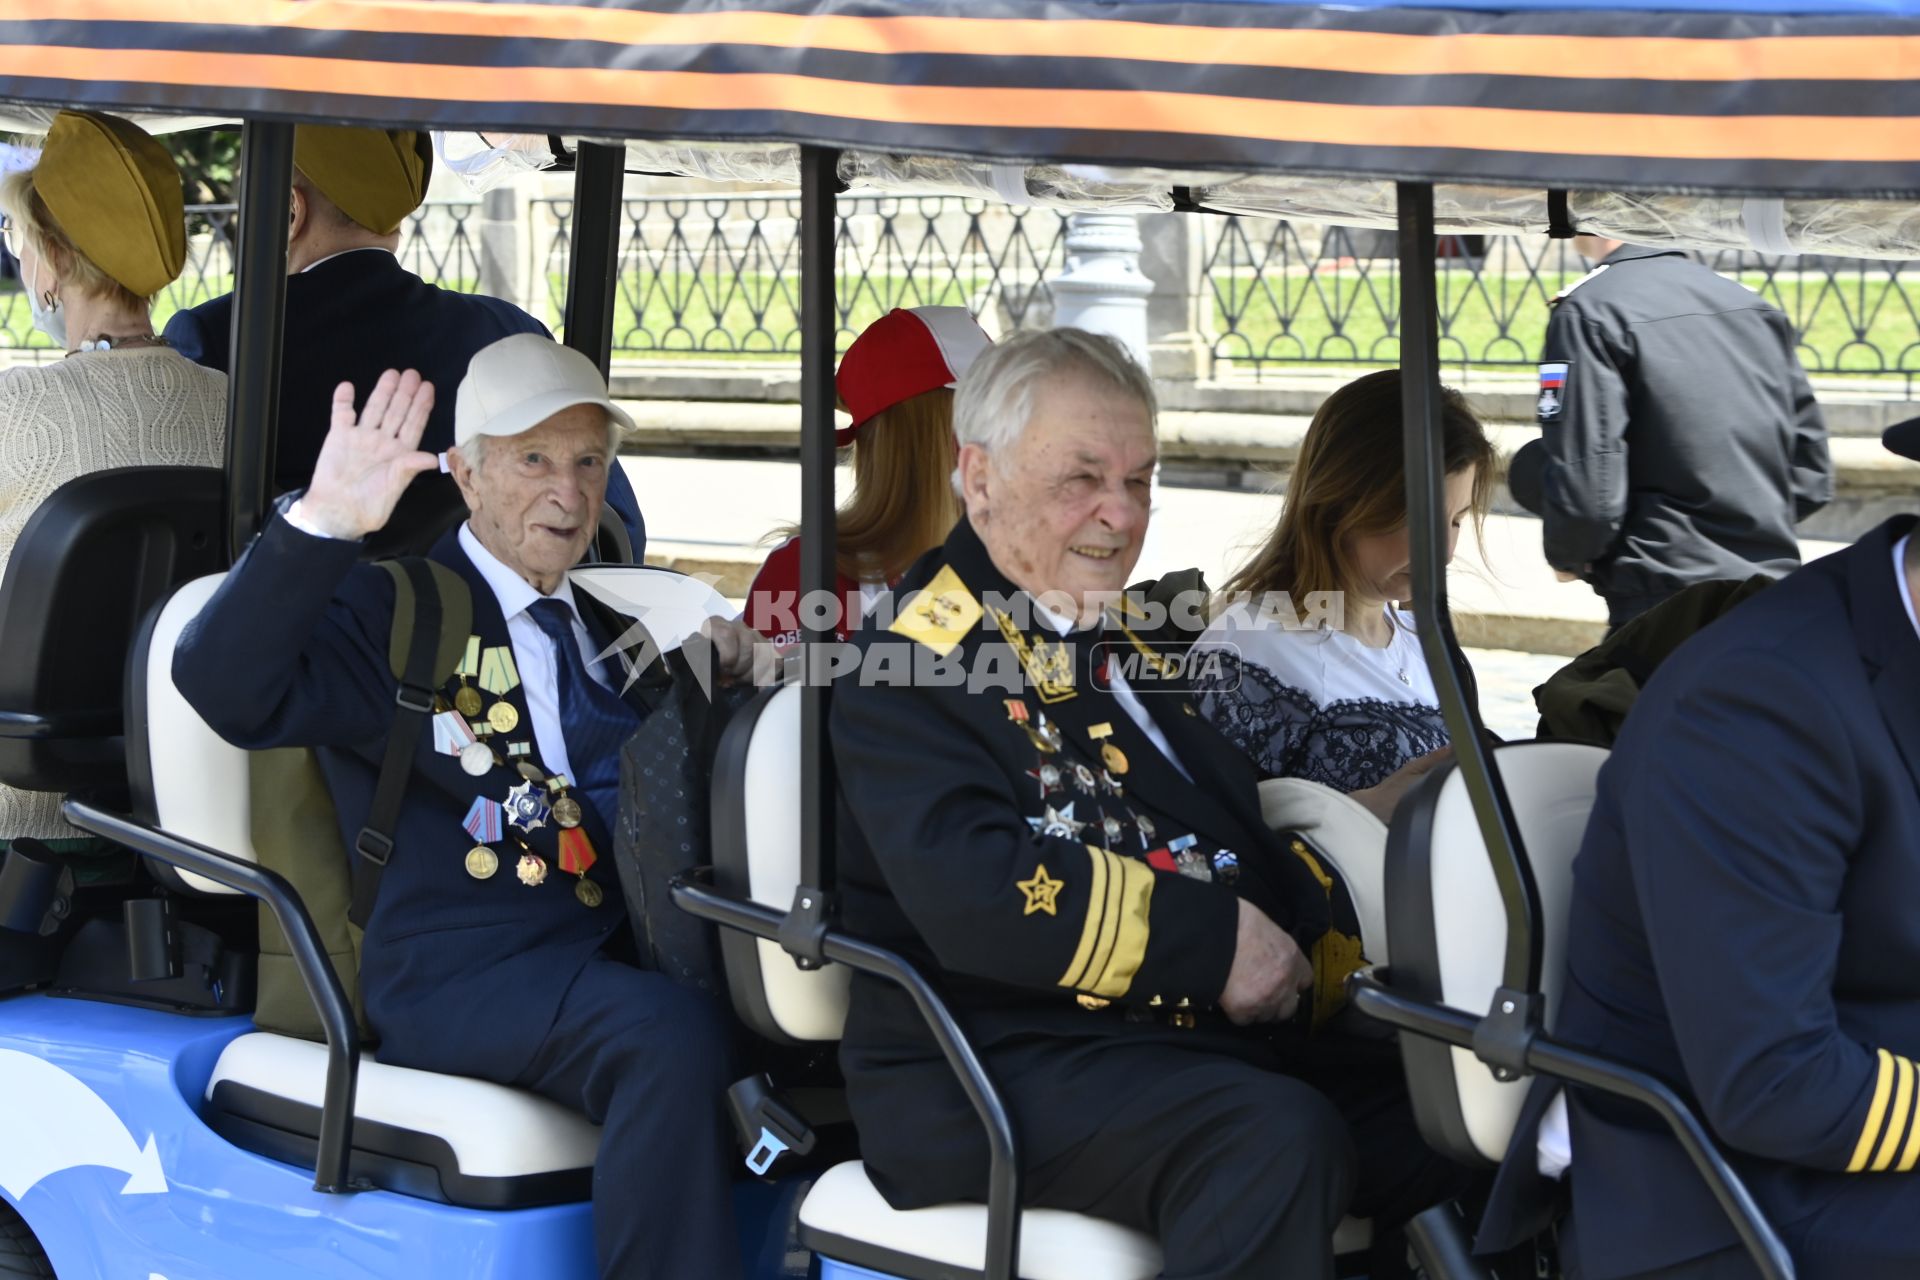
x: 1084, y: 866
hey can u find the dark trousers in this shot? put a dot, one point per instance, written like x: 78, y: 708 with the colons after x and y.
x: 648, y: 1061
x: 1240, y: 1163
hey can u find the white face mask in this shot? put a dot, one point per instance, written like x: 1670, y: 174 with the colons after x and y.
x: 50, y: 320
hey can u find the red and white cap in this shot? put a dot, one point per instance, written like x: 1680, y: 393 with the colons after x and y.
x: 903, y: 354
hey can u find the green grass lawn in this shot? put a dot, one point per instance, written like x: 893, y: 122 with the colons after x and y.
x: 1859, y: 325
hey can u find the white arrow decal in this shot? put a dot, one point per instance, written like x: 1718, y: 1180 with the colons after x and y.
x: 56, y: 1122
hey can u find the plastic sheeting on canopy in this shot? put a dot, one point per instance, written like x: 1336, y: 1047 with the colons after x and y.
x: 1730, y: 101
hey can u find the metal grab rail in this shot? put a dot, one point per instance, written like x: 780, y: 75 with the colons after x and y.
x: 1548, y: 1057
x: 309, y: 957
x: 1003, y: 1179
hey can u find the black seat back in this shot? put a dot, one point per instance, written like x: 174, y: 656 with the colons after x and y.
x: 89, y: 564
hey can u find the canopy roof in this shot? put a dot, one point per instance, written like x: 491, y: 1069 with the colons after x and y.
x: 1540, y: 95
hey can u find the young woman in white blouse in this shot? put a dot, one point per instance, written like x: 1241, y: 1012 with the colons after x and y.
x: 99, y: 228
x: 1319, y: 673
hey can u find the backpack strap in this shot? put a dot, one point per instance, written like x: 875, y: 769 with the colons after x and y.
x: 432, y: 614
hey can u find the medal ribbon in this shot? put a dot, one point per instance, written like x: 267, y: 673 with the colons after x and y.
x: 484, y: 821
x: 576, y: 851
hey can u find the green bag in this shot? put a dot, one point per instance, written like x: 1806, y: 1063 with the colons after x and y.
x: 296, y: 831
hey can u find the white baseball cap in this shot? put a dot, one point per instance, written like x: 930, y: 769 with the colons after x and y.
x: 517, y: 383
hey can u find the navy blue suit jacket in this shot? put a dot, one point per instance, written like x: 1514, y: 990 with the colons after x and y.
x: 459, y: 975
x: 1743, y: 920
x: 350, y: 319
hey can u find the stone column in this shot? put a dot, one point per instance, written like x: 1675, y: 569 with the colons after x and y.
x: 503, y: 255
x: 1180, y: 308
x: 1101, y: 288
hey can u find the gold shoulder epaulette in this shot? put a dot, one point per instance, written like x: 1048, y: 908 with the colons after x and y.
x: 940, y: 614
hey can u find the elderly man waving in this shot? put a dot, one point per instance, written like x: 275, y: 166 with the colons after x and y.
x: 499, y: 945
x: 1082, y: 860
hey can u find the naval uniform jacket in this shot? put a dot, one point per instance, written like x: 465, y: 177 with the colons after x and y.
x: 460, y: 975
x: 1683, y: 441
x: 350, y: 318
x: 1744, y: 919
x: 983, y: 836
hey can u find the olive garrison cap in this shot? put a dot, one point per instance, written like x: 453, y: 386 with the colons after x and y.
x: 115, y: 193
x: 376, y: 176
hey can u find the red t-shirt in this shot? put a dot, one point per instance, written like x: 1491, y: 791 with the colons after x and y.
x: 773, y: 601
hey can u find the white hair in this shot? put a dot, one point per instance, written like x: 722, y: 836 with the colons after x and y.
x: 993, y: 404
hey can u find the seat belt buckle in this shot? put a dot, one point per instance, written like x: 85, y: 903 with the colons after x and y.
x: 764, y: 1153
x: 766, y: 1126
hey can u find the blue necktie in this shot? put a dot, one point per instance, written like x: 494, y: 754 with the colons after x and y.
x: 595, y: 721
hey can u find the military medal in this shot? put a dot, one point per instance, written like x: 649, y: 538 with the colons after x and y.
x: 566, y: 811
x: 1145, y: 825
x: 1050, y: 735
x: 1226, y: 866
x: 1110, y: 784
x: 1114, y: 829
x: 532, y: 870
x: 526, y: 808
x: 1189, y: 861
x: 577, y: 857
x: 451, y: 734
x: 482, y: 862
x: 1113, y: 757
x: 1083, y: 779
x: 532, y: 773
x: 503, y: 717
x: 1048, y: 776
x: 1057, y: 822
x: 1017, y: 712
x: 466, y: 700
x: 483, y: 820
x: 476, y: 759
x: 498, y: 675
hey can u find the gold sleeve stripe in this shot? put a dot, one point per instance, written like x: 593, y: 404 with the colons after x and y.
x: 1132, y: 892
x: 1897, y: 1122
x: 1090, y: 927
x: 1113, y: 937
x: 1911, y: 1153
x: 1883, y: 1085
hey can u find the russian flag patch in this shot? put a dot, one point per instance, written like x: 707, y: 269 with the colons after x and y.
x: 1553, y: 391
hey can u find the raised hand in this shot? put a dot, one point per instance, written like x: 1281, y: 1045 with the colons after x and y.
x: 367, y: 462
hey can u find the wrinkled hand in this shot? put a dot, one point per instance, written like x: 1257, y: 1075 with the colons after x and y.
x: 367, y: 463
x: 741, y: 655
x: 1384, y: 796
x: 1269, y: 971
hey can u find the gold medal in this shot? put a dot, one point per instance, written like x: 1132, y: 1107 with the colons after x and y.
x: 502, y: 716
x: 467, y: 701
x: 589, y: 893
x: 532, y: 869
x: 566, y: 812
x: 1113, y: 757
x: 482, y: 862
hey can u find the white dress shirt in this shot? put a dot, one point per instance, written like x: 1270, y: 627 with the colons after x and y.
x: 1906, y: 584
x: 1122, y: 693
x: 533, y: 652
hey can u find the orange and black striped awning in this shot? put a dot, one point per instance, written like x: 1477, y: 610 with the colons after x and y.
x: 1781, y: 104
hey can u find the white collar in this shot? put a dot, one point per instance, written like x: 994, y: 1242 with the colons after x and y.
x: 514, y: 592
x: 1906, y: 585
x: 364, y: 248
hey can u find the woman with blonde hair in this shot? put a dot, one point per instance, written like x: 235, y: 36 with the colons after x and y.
x: 98, y: 227
x: 896, y: 382
x: 1319, y: 673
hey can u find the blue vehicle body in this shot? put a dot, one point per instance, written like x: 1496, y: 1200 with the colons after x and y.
x: 215, y: 1210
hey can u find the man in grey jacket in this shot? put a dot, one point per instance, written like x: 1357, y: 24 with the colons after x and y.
x: 1680, y: 440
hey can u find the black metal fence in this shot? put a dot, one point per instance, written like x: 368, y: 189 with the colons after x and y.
x: 715, y: 278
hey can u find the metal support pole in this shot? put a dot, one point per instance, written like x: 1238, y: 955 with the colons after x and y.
x: 1427, y: 521
x: 259, y: 307
x: 599, y: 181
x: 819, y: 323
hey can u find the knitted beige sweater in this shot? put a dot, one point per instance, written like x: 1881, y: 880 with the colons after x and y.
x: 145, y: 406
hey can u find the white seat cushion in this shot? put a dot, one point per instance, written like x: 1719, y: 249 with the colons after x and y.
x: 1348, y: 835
x: 494, y: 1131
x: 1054, y: 1245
